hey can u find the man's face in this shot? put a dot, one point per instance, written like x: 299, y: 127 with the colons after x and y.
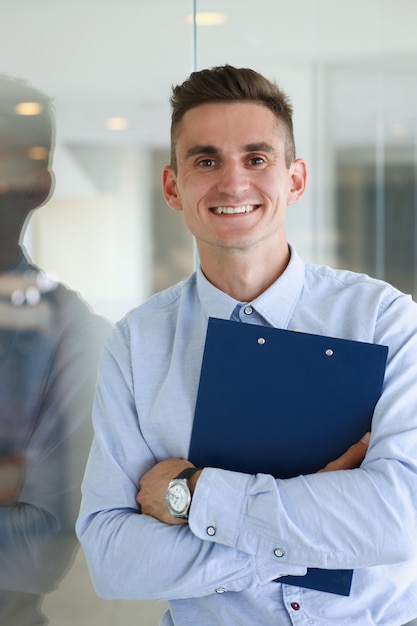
x: 25, y: 179
x: 232, y: 181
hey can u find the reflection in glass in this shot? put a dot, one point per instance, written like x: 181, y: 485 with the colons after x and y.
x: 49, y: 346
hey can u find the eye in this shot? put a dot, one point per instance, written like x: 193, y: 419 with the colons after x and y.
x: 256, y: 160
x: 206, y: 163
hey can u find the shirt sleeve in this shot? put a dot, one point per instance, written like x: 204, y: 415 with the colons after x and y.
x: 346, y: 519
x: 131, y: 555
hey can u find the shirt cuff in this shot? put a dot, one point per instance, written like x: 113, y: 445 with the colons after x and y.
x: 218, y: 514
x: 216, y: 505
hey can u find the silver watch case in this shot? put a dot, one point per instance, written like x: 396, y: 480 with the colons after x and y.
x: 178, y: 498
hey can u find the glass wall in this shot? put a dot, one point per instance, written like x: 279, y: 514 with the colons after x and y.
x: 350, y: 69
x: 374, y: 152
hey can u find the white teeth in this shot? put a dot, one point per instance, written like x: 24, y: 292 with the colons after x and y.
x: 230, y: 210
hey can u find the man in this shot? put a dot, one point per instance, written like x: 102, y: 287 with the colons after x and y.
x: 233, y: 174
x: 49, y: 347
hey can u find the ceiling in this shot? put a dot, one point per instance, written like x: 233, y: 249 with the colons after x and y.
x: 103, y: 58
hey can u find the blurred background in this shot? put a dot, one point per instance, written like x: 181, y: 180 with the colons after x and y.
x: 350, y: 69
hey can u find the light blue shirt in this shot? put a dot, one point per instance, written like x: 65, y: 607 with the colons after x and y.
x: 363, y: 519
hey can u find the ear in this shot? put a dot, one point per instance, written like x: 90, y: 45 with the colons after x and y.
x: 298, y: 174
x: 170, y: 188
x: 40, y: 189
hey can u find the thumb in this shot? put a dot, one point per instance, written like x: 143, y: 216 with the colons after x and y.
x: 352, y: 458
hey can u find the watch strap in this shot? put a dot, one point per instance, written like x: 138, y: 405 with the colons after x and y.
x: 187, y: 472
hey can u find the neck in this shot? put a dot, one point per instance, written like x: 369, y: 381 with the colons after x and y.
x: 13, y: 217
x: 243, y: 277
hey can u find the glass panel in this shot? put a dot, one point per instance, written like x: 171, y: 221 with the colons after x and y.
x: 104, y: 62
x: 374, y: 147
x: 173, y: 251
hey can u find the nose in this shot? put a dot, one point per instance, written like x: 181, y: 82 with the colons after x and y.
x: 233, y: 178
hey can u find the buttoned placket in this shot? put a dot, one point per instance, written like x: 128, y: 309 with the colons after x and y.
x: 293, y: 600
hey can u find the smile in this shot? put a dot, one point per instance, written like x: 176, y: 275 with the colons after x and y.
x: 232, y: 210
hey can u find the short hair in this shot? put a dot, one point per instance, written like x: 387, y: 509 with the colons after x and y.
x: 230, y: 84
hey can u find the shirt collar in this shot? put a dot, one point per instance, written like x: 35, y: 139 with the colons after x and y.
x: 275, y: 304
x: 215, y: 303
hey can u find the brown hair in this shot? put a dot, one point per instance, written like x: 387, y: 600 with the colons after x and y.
x: 230, y: 84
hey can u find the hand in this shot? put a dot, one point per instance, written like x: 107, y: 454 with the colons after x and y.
x: 153, y: 486
x: 352, y: 458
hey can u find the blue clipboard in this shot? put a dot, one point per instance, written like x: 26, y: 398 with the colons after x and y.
x: 283, y: 403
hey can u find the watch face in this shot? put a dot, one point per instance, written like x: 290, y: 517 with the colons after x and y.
x: 178, y: 497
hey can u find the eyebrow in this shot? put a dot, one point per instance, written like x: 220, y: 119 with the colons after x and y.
x: 201, y: 149
x: 260, y: 146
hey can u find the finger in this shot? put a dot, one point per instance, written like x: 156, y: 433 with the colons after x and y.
x: 352, y: 458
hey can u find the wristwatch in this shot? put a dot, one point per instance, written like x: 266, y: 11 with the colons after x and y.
x: 178, y: 495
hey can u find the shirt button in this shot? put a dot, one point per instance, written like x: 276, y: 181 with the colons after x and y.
x: 211, y: 531
x: 279, y: 553
x: 220, y: 590
x: 295, y: 606
x: 248, y: 310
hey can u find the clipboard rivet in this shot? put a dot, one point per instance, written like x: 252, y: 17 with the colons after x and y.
x: 261, y: 341
x: 329, y: 352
